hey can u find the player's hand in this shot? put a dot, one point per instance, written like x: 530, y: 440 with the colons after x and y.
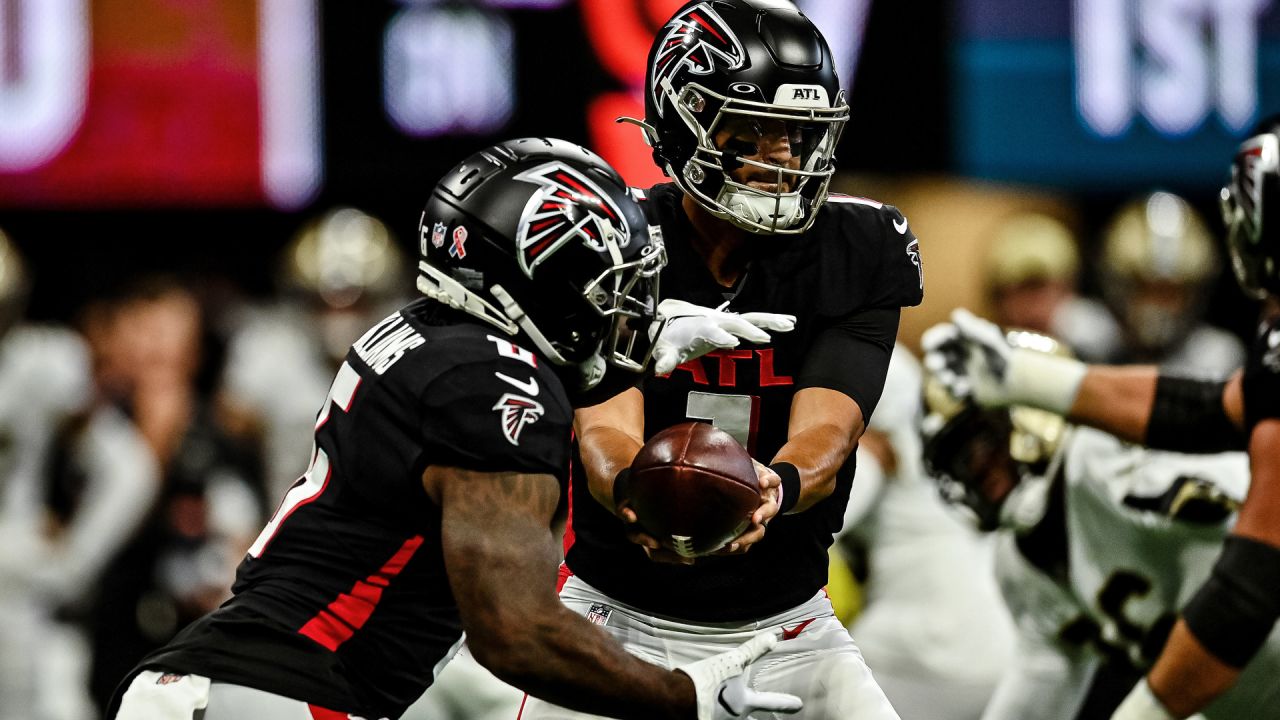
x: 652, y: 546
x: 770, y: 487
x: 692, y: 331
x: 720, y: 683
x: 973, y: 359
x: 970, y: 357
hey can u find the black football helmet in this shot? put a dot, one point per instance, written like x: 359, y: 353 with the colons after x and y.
x: 739, y: 69
x: 539, y: 237
x: 1250, y: 196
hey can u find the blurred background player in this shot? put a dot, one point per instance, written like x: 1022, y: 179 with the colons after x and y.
x: 1100, y: 543
x: 148, y: 342
x: 743, y: 112
x: 1230, y: 617
x: 929, y: 594
x: 1032, y: 273
x: 53, y: 554
x: 1156, y: 268
x: 339, y: 274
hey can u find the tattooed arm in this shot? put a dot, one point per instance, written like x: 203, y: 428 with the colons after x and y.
x: 502, y: 561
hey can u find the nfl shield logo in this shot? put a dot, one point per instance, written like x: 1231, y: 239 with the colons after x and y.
x: 437, y: 234
x: 599, y: 614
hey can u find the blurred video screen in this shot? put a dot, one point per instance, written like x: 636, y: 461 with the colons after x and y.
x: 1087, y: 94
x: 287, y: 103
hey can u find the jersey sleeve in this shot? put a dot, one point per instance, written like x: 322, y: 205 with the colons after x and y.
x: 852, y: 356
x: 869, y: 258
x: 900, y: 280
x: 1262, y: 376
x: 497, y: 416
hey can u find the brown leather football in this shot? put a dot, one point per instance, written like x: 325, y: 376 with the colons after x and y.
x: 693, y: 487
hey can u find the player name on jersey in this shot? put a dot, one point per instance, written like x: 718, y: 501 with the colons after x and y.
x: 387, y: 342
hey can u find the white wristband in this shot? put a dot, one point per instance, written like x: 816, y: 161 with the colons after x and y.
x: 1141, y: 704
x: 1045, y: 381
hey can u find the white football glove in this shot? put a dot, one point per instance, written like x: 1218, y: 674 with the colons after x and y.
x: 721, y: 683
x: 692, y: 331
x: 972, y: 359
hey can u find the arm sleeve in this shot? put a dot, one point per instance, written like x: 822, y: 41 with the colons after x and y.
x: 852, y: 356
x: 900, y: 280
x: 477, y: 421
x: 1261, y: 382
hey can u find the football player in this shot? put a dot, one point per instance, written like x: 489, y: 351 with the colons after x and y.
x: 53, y: 423
x: 1156, y: 268
x: 744, y: 111
x: 342, y: 272
x: 438, y: 455
x: 1226, y: 622
x: 929, y: 594
x: 1102, y: 542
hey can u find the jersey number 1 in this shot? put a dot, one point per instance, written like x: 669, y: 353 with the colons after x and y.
x: 738, y: 415
x: 316, y: 478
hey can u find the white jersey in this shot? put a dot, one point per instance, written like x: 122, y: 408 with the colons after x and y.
x: 44, y: 378
x: 1129, y: 568
x: 930, y: 598
x: 1206, y: 351
x: 44, y: 382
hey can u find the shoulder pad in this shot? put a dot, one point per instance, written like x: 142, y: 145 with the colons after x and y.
x: 868, y: 257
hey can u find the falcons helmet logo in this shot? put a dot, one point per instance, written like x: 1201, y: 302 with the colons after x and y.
x: 698, y: 39
x: 1256, y: 159
x: 567, y: 206
x: 515, y: 412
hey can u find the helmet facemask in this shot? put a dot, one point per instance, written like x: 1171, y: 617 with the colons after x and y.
x: 799, y: 187
x: 1255, y: 178
x: 546, y: 243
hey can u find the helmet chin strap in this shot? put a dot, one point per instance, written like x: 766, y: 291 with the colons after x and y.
x: 591, y: 370
x: 442, y: 288
x: 1027, y: 502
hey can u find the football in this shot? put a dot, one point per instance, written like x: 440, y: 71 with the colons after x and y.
x: 693, y: 487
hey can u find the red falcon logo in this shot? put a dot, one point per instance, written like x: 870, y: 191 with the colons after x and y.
x: 517, y: 411
x: 568, y: 206
x: 697, y: 39
x: 1256, y: 159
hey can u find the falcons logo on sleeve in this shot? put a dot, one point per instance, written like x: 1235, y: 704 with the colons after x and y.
x: 568, y: 206
x: 698, y: 39
x: 515, y: 412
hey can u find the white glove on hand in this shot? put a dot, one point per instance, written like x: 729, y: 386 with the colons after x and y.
x: 692, y: 331
x: 721, y: 683
x: 1141, y: 704
x: 972, y: 359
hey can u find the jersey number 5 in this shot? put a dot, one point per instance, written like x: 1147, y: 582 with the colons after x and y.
x: 316, y: 478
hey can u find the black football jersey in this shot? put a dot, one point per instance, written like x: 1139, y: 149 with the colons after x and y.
x: 1261, y: 384
x: 858, y: 256
x: 343, y: 600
